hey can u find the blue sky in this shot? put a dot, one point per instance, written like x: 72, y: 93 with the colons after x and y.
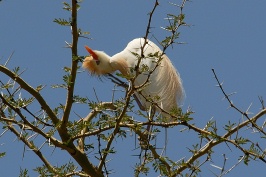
x: 228, y: 36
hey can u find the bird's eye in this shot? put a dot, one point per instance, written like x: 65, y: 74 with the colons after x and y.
x: 97, y: 62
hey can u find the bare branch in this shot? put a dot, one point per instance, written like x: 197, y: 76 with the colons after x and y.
x: 233, y: 106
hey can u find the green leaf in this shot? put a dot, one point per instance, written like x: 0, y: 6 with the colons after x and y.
x: 81, y: 100
x: 67, y: 79
x: 246, y: 159
x: 229, y: 126
x: 241, y: 140
x: 66, y: 6
x: 86, y: 33
x: 62, y: 22
x: 110, y: 151
x: 67, y: 69
x: 59, y: 86
x: 39, y: 88
x: 78, y: 58
x: 7, y: 86
x: 23, y: 173
x: 16, y: 70
x: 122, y: 133
x: 2, y: 154
x: 141, y: 168
x: 88, y: 146
x: 23, y: 102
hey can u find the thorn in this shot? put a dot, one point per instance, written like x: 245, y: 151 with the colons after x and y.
x: 230, y: 94
x: 69, y: 45
x: 9, y: 58
x: 248, y: 109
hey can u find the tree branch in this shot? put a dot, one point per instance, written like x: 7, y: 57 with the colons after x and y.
x: 140, y: 124
x: 88, y: 118
x: 33, y: 148
x: 31, y: 91
x: 212, y: 143
x: 74, y: 67
x: 234, y: 107
x: 53, y: 140
x: 143, y: 137
x: 116, y: 128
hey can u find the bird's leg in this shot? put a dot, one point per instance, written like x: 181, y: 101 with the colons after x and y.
x: 144, y: 143
x: 126, y: 86
x: 118, y: 81
x: 141, y: 107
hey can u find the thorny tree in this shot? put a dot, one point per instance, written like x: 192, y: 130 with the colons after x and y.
x: 108, y: 121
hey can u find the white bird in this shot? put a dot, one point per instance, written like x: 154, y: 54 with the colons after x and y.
x: 164, y: 85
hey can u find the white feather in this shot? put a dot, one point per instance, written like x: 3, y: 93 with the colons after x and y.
x: 164, y: 82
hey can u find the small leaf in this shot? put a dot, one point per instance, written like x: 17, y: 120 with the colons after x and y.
x: 59, y: 86
x: 78, y: 99
x: 66, y: 6
x: 16, y: 70
x: 2, y: 154
x: 62, y: 22
x: 39, y: 88
x: 23, y: 173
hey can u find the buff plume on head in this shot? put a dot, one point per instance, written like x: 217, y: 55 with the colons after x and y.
x: 100, y: 63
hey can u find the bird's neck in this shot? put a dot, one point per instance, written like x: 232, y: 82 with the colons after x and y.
x: 120, y: 64
x: 111, y: 64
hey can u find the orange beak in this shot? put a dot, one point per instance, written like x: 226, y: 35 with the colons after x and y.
x: 93, y: 54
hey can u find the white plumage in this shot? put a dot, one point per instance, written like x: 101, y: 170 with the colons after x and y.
x: 165, y: 85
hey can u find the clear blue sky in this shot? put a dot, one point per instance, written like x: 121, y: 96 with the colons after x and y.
x: 227, y: 35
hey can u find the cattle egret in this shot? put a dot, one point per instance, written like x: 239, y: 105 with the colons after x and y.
x: 164, y: 84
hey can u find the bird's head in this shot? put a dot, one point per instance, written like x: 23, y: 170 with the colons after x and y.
x: 97, y: 63
x: 100, y: 63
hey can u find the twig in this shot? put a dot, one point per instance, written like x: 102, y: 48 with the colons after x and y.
x: 31, y: 91
x: 261, y: 102
x: 88, y: 118
x: 149, y: 23
x: 100, y: 153
x: 213, y: 143
x: 116, y: 128
x: 234, y: 107
x: 140, y: 124
x: 44, y: 123
x: 153, y: 150
x: 77, y: 173
x: 31, y: 146
x: 9, y: 58
x: 230, y: 169
x: 126, y: 86
x: 32, y: 127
